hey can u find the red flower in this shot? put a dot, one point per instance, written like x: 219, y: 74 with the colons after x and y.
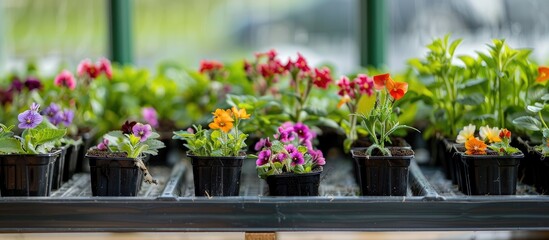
x: 65, y: 79
x: 396, y: 89
x: 271, y: 54
x: 266, y: 70
x: 322, y: 78
x: 504, y: 133
x: 543, y: 74
x: 289, y: 65
x: 104, y: 65
x: 86, y: 67
x: 277, y: 67
x: 247, y: 67
x: 380, y: 80
x: 301, y: 63
x: 346, y: 87
x: 365, y: 84
x: 206, y: 66
x: 6, y: 97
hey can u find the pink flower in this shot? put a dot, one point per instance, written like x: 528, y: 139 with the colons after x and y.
x: 365, y: 84
x: 289, y: 65
x: 301, y: 63
x: 104, y: 65
x: 150, y: 116
x: 263, y: 157
x: 65, y: 79
x: 104, y: 145
x: 86, y: 68
x: 322, y: 78
x: 143, y: 131
x: 317, y: 157
x: 271, y: 54
x: 297, y: 158
x: 346, y: 87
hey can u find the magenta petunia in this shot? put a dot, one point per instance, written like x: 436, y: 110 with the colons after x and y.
x: 143, y: 131
x: 263, y: 157
x: 297, y: 158
x: 150, y: 116
x: 290, y: 148
x: 303, y: 131
x: 317, y: 157
x: 65, y: 79
x: 280, y: 157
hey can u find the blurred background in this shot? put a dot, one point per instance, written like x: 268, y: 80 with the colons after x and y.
x: 53, y: 32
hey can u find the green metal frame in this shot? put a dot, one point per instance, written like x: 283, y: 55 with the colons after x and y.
x: 120, y: 31
x: 373, y: 27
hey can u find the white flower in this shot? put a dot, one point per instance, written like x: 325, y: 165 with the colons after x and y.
x: 489, y: 134
x: 466, y: 133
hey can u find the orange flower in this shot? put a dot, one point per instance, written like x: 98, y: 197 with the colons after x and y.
x: 396, y: 89
x: 344, y: 99
x: 543, y: 74
x: 475, y: 146
x: 220, y: 113
x: 240, y: 114
x: 504, y: 133
x: 379, y: 80
x: 225, y: 123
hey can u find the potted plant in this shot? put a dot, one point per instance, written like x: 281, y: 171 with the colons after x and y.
x: 62, y: 118
x: 116, y: 164
x: 289, y: 163
x: 383, y: 170
x: 26, y: 161
x: 217, y: 153
x: 489, y: 164
x: 536, y: 154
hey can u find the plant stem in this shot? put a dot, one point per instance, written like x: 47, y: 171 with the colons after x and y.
x: 541, y: 119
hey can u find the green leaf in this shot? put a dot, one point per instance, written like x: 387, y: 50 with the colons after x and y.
x: 472, y: 99
x: 534, y: 109
x: 302, y: 149
x: 453, y: 46
x: 42, y: 136
x: 528, y: 122
x: 545, y: 97
x: 277, y: 146
x: 10, y: 145
x: 366, y: 104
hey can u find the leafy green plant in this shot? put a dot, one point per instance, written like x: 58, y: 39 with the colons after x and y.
x: 39, y: 135
x: 224, y: 138
x: 135, y: 140
x: 265, y: 111
x: 537, y: 125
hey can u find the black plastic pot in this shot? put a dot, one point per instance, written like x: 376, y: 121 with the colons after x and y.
x: 305, y: 184
x: 70, y: 161
x: 57, y: 174
x: 163, y: 157
x: 27, y: 174
x: 216, y: 176
x: 383, y: 175
x: 114, y: 176
x: 88, y: 138
x: 536, y: 169
x: 490, y: 174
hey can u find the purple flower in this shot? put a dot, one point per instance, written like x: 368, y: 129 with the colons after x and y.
x: 297, y: 158
x: 51, y: 111
x: 143, y: 131
x: 57, y: 118
x: 29, y: 119
x: 16, y: 85
x: 35, y: 107
x: 264, y: 142
x: 285, y: 135
x: 290, y: 148
x: 6, y: 97
x: 280, y: 157
x: 318, y: 157
x: 190, y: 130
x: 150, y: 116
x: 33, y: 83
x: 66, y: 117
x: 104, y: 145
x: 303, y: 131
x: 263, y: 157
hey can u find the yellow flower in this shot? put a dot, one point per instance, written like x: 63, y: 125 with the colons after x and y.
x: 224, y: 122
x: 490, y: 135
x: 240, y: 114
x: 475, y: 146
x: 466, y: 133
x: 344, y: 99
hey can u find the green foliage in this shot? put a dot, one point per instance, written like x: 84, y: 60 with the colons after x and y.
x: 214, y: 143
x: 538, y: 125
x: 265, y: 111
x: 39, y: 140
x: 131, y: 145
